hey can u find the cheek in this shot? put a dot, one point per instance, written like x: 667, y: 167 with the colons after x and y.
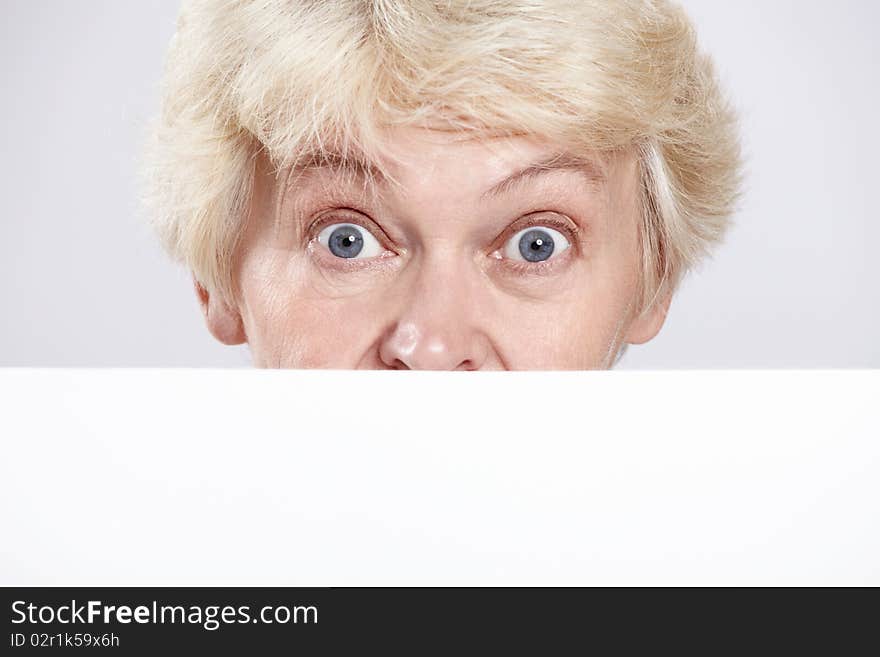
x: 580, y: 328
x: 561, y: 335
x: 293, y: 320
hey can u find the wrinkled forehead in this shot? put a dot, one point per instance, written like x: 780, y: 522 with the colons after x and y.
x: 421, y: 162
x: 412, y: 157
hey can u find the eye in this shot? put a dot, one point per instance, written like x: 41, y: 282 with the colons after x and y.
x: 535, y: 244
x: 349, y: 241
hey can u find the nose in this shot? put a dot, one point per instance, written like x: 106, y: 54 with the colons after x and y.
x: 436, y: 329
x: 414, y: 346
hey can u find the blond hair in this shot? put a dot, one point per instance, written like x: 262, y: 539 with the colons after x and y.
x: 290, y: 77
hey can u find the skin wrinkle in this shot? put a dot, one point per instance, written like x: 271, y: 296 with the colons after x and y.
x: 557, y: 162
x: 614, y: 346
x: 444, y: 299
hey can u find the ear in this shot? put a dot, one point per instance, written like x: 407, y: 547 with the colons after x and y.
x: 223, y: 322
x: 647, y: 325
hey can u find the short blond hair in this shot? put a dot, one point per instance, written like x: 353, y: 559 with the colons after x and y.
x: 288, y: 77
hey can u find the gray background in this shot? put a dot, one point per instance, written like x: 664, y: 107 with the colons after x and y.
x: 83, y: 283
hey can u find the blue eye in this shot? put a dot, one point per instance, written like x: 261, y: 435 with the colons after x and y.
x: 535, y: 244
x: 349, y: 241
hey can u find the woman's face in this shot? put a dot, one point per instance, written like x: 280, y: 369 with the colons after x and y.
x: 497, y: 254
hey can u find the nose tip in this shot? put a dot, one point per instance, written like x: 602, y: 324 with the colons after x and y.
x: 410, y: 346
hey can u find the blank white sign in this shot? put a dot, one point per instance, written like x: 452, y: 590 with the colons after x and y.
x: 223, y: 477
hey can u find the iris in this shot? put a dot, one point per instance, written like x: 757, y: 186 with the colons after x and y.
x: 346, y: 242
x: 536, y: 245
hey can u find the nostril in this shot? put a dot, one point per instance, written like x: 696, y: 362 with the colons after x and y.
x: 467, y: 366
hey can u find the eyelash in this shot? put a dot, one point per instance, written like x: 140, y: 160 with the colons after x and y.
x: 524, y: 268
x: 518, y: 267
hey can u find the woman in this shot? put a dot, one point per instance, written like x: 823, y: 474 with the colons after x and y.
x: 474, y: 184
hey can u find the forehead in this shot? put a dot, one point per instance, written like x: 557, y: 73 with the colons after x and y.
x: 426, y: 151
x: 414, y: 158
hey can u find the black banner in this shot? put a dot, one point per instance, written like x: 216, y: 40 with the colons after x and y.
x: 133, y: 621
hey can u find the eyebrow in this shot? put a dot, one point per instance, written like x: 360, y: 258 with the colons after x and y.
x: 337, y: 162
x: 590, y: 169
